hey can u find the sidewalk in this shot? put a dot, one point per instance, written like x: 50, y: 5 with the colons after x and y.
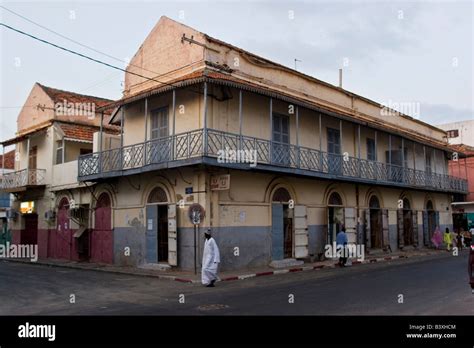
x: 190, y: 277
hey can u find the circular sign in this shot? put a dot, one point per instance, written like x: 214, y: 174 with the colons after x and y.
x: 196, y: 213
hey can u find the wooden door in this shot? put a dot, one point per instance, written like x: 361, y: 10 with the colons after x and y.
x: 151, y: 234
x: 277, y: 231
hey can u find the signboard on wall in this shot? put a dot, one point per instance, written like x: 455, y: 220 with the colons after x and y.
x: 220, y: 182
x: 27, y: 207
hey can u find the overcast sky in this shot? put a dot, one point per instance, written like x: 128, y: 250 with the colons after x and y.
x: 391, y: 52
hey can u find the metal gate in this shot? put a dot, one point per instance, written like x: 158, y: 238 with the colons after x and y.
x: 101, y: 237
x: 62, y: 243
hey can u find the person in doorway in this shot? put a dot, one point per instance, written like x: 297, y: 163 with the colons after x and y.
x: 447, y: 239
x: 437, y: 238
x: 470, y: 268
x: 210, y: 260
x: 341, y: 242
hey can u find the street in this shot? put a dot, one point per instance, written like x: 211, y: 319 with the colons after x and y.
x: 433, y: 285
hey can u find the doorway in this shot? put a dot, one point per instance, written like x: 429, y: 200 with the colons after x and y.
x: 375, y: 220
x: 335, y: 217
x: 408, y: 235
x: 30, y: 233
x: 157, y: 227
x: 282, y: 225
x: 334, y: 151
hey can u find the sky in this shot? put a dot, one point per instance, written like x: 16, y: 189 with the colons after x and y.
x: 412, y: 53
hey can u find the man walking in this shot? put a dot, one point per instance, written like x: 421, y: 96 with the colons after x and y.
x: 341, y: 242
x: 210, y: 260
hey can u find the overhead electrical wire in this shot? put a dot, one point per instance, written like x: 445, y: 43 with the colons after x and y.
x: 86, y: 56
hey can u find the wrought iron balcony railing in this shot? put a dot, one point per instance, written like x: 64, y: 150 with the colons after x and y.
x: 23, y: 178
x: 213, y: 143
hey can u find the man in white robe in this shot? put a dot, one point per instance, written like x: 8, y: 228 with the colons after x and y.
x: 210, y: 260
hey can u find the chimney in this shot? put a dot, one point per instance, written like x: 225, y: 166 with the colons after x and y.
x: 340, y: 78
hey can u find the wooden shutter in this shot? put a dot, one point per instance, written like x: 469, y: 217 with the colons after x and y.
x: 415, y: 226
x: 385, y: 233
x: 426, y: 234
x: 301, y: 231
x: 401, y: 242
x: 172, y: 236
x: 367, y: 238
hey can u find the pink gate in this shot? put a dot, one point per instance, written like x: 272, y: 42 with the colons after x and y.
x: 101, y: 236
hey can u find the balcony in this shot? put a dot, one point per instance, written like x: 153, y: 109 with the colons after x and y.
x: 204, y: 147
x: 22, y: 180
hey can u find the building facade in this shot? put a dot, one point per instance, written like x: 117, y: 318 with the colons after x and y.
x: 461, y: 136
x: 55, y: 127
x: 278, y: 160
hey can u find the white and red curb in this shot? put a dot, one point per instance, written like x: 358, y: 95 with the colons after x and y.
x: 238, y: 277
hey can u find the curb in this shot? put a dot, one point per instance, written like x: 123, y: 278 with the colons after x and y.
x: 232, y: 277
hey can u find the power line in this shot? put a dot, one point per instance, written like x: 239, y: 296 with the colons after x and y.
x: 74, y: 41
x: 85, y: 56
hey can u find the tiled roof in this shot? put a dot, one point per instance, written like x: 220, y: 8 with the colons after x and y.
x: 58, y: 96
x: 9, y: 160
x: 81, y: 132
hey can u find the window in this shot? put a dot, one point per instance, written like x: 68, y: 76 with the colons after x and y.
x: 428, y: 162
x: 334, y: 141
x: 159, y: 123
x: 281, y: 125
x: 371, y: 149
x: 59, y: 152
x: 453, y: 133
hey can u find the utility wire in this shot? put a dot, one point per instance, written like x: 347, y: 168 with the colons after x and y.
x: 74, y: 41
x: 85, y: 56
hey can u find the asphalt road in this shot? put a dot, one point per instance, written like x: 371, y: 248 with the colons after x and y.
x: 429, y: 285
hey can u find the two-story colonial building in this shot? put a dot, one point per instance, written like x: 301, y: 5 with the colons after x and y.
x: 54, y: 128
x: 278, y: 159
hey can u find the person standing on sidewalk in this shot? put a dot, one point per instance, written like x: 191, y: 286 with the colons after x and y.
x: 341, y: 242
x: 447, y: 239
x: 210, y: 260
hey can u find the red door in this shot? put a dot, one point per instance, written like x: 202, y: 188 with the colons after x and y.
x: 101, y: 238
x: 63, y: 232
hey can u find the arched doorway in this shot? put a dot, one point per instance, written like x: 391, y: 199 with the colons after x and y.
x: 407, y: 224
x: 157, y: 226
x: 282, y: 225
x: 101, y: 237
x: 63, y: 240
x: 430, y: 221
x: 335, y: 216
x: 375, y: 220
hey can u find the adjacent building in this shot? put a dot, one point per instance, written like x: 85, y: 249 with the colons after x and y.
x: 461, y: 136
x: 279, y: 161
x: 54, y: 127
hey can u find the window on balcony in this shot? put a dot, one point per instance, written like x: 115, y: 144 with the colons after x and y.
x: 32, y: 158
x: 334, y: 151
x: 428, y: 162
x: 371, y: 149
x: 159, y: 123
x: 59, y: 152
x: 281, y: 139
